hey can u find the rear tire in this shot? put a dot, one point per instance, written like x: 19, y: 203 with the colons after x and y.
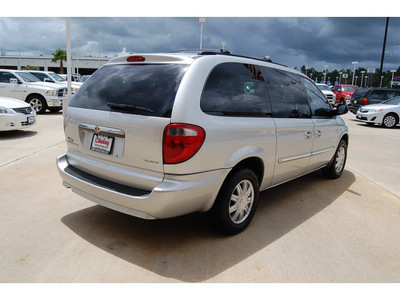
x: 336, y: 166
x: 236, y: 202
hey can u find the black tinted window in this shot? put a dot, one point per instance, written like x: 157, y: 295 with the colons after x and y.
x: 40, y: 76
x: 235, y: 89
x: 378, y: 94
x: 319, y: 105
x: 137, y: 89
x: 287, y: 94
x: 360, y: 92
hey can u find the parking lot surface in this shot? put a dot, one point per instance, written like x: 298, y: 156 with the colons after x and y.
x: 308, y: 230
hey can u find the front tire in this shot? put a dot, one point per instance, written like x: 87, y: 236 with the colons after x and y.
x: 38, y: 103
x: 390, y: 121
x: 236, y: 202
x: 336, y: 166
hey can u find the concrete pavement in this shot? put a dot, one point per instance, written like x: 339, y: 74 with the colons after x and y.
x: 308, y: 230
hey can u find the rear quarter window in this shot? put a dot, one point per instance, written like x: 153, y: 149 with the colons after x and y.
x: 147, y: 89
x: 235, y: 89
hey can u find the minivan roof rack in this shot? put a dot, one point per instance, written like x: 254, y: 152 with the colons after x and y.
x: 223, y: 52
x: 202, y: 51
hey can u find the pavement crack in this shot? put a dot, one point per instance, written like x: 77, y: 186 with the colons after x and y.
x: 31, y: 154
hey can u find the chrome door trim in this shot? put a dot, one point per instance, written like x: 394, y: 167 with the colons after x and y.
x: 102, y: 129
x: 291, y: 158
x: 322, y: 151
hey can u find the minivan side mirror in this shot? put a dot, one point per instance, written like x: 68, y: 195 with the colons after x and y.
x: 341, y: 109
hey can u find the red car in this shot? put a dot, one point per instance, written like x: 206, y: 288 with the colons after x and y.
x: 344, y: 92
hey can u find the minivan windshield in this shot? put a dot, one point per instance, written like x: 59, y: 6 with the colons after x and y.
x: 146, y: 89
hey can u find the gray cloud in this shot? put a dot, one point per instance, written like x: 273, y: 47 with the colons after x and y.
x: 314, y: 42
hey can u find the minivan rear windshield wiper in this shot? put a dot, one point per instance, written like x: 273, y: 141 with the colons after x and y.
x: 129, y: 107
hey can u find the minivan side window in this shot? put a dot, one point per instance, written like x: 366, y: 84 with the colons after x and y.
x: 319, y: 105
x: 287, y: 94
x: 235, y: 89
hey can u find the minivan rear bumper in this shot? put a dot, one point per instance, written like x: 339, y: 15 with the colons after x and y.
x: 176, y: 195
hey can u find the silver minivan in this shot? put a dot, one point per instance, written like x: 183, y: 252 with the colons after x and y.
x: 163, y: 135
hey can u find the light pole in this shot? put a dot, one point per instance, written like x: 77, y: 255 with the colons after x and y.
x: 362, y: 78
x: 19, y: 56
x: 380, y: 85
x: 99, y: 58
x: 340, y: 77
x: 354, y: 70
x: 223, y: 46
x: 77, y: 54
x: 325, y: 71
x: 391, y: 82
x: 201, y: 21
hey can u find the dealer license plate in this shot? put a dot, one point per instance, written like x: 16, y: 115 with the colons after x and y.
x: 102, y: 143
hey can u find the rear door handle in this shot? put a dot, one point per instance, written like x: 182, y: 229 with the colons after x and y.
x: 317, y: 133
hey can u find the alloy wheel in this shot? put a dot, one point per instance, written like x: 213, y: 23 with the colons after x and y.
x: 241, y: 201
x: 340, y: 159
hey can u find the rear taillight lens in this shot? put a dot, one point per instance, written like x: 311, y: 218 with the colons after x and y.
x: 181, y: 142
x: 364, y: 101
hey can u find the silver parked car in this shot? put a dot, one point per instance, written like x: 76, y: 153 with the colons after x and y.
x: 162, y: 135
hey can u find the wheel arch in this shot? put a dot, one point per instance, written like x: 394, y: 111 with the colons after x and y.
x: 345, y: 137
x: 34, y: 94
x: 393, y: 113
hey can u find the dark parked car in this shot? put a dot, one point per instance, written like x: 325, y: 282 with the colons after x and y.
x: 365, y: 96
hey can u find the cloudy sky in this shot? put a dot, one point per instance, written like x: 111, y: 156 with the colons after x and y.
x: 294, y: 41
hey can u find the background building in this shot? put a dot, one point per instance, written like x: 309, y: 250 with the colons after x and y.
x: 86, y: 65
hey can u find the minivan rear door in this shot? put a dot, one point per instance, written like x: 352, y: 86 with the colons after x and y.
x: 115, y: 122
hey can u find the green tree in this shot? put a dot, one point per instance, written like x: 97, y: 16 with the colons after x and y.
x: 60, y: 55
x: 30, y: 68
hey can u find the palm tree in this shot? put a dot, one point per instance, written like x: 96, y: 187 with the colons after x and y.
x: 60, y: 55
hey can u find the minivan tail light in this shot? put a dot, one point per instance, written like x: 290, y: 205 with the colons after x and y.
x: 135, y: 58
x: 181, y: 142
x: 364, y: 101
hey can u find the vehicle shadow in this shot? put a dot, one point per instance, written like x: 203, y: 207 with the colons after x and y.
x: 376, y: 126
x: 52, y: 113
x: 187, y: 248
x: 16, y: 134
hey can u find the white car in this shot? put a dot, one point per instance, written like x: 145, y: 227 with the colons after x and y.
x: 15, y: 114
x: 51, y: 77
x: 26, y: 87
x: 329, y: 95
x: 385, y: 113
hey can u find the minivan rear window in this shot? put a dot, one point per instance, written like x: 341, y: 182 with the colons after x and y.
x: 145, y: 89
